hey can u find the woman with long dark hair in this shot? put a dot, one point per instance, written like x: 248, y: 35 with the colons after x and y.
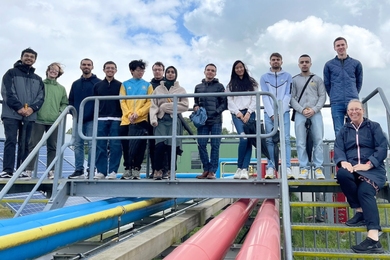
x: 243, y: 110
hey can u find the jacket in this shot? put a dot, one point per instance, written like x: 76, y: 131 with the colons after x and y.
x: 213, y: 104
x: 82, y: 88
x: 162, y: 106
x: 313, y: 97
x: 368, y: 143
x: 135, y: 87
x: 21, y: 86
x: 278, y: 84
x: 156, y: 82
x: 343, y: 79
x: 108, y: 108
x: 55, y: 102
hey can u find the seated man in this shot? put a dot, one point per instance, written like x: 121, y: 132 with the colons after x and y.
x: 360, y: 150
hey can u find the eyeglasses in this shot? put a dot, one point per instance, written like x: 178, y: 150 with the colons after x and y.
x: 354, y: 109
x: 157, y: 70
x: 140, y: 70
x: 53, y: 70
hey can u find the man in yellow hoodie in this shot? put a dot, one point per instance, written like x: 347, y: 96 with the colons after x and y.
x: 135, y: 119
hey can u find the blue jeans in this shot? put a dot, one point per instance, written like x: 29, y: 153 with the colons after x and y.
x: 338, y: 114
x: 317, y: 133
x: 244, y: 147
x: 210, y: 165
x: 269, y: 125
x: 79, y: 146
x: 108, y: 152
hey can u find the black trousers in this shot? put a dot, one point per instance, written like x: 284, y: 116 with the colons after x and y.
x: 134, y: 149
x: 362, y: 194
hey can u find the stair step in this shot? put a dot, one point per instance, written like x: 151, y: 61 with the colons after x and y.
x: 332, y: 227
x: 334, y: 253
x: 329, y: 204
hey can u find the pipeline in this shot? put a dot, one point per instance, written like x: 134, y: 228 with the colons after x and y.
x: 213, y: 240
x: 40, y: 240
x: 263, y: 240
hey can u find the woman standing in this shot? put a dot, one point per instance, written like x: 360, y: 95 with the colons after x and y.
x: 161, y: 113
x: 55, y: 102
x: 243, y: 109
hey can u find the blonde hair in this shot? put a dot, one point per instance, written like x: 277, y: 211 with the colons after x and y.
x: 60, y: 69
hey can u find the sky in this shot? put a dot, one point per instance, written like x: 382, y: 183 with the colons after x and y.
x: 188, y: 34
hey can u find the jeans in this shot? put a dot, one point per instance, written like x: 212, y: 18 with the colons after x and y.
x: 360, y: 194
x: 317, y: 134
x: 79, y: 146
x: 210, y: 165
x: 108, y: 152
x: 13, y: 130
x: 124, y: 131
x: 338, y: 114
x: 269, y: 125
x: 244, y: 146
x: 51, y: 144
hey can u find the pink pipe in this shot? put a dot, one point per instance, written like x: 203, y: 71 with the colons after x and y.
x: 214, y: 240
x: 263, y: 240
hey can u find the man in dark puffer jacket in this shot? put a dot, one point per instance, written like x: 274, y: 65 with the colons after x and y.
x: 214, y: 106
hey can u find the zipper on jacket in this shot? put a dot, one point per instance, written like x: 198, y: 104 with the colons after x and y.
x: 357, y: 140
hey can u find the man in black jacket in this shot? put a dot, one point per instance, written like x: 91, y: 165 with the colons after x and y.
x: 23, y: 94
x: 214, y: 106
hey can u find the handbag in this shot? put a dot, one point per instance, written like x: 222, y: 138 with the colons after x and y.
x: 199, y: 117
x: 300, y: 96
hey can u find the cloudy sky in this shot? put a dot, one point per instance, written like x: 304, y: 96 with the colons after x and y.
x: 191, y: 33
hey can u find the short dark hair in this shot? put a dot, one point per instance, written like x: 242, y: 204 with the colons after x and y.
x: 29, y: 50
x: 86, y: 59
x: 305, y: 55
x: 159, y: 63
x: 134, y: 64
x: 276, y: 54
x: 210, y: 64
x: 339, y: 39
x: 109, y: 62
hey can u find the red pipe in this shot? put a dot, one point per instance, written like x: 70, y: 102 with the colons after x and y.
x: 214, y: 240
x: 263, y: 240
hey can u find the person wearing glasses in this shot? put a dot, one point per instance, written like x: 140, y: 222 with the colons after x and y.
x: 135, y: 119
x: 56, y: 101
x: 343, y: 79
x: 360, y: 149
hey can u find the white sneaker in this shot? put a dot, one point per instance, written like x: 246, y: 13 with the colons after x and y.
x: 127, y: 175
x: 25, y: 175
x: 290, y: 176
x: 136, y: 174
x: 319, y: 174
x: 237, y: 175
x: 244, y: 174
x: 270, y: 173
x: 50, y: 175
x: 111, y: 176
x: 303, y: 174
x: 99, y: 176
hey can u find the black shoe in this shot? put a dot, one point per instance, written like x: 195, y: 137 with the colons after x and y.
x: 5, y: 175
x: 78, y: 174
x: 356, y: 221
x: 368, y: 246
x: 166, y: 175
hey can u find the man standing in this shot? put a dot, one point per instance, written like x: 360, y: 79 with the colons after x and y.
x: 82, y: 88
x: 277, y: 82
x: 135, y: 115
x: 23, y: 95
x: 214, y: 106
x: 108, y: 152
x: 343, y: 78
x: 308, y: 96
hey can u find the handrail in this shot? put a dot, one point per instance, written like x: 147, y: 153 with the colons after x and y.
x: 60, y: 123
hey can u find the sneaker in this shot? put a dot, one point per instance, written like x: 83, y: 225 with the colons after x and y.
x: 290, y: 176
x: 203, y: 175
x: 50, y: 175
x: 166, y: 175
x: 5, y: 175
x: 151, y: 175
x: 368, y: 246
x: 127, y: 175
x: 237, y: 175
x: 270, y: 173
x: 111, y: 176
x: 356, y: 221
x: 25, y: 175
x: 136, y: 174
x: 211, y: 176
x: 303, y: 173
x: 78, y: 174
x: 319, y: 174
x: 99, y: 176
x: 244, y: 174
x: 157, y: 175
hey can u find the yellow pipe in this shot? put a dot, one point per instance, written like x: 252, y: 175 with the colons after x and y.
x: 44, y: 201
x: 27, y: 236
